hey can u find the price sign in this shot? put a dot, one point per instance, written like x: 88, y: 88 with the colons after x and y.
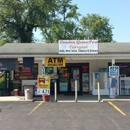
x: 43, y: 86
x: 43, y: 91
x: 113, y: 71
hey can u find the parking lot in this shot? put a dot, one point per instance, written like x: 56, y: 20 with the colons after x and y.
x: 64, y: 116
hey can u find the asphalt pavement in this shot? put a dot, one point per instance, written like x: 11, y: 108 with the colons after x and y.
x: 64, y: 116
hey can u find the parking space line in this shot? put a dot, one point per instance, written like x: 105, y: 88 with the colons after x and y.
x: 35, y: 108
x: 119, y: 110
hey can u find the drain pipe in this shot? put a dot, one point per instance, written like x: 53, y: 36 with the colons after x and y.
x: 98, y: 91
x: 55, y: 92
x: 75, y: 90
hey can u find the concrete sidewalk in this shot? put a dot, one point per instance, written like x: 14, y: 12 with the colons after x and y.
x: 62, y: 98
x: 13, y: 98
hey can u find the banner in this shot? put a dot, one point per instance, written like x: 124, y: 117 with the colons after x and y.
x: 78, y: 46
x: 8, y: 64
x: 55, y: 61
x: 28, y: 62
x: 43, y: 84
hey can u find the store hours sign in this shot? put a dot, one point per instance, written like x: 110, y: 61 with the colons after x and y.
x: 114, y: 71
x: 78, y: 46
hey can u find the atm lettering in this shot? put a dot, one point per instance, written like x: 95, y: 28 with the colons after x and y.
x: 60, y: 60
x: 55, y: 60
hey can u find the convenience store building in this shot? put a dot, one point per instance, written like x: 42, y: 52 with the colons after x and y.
x: 78, y: 66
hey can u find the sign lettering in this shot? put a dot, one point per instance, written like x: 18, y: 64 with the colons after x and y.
x: 113, y: 71
x: 55, y: 61
x: 78, y: 46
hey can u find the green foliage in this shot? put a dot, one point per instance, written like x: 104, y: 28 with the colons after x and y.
x: 64, y: 26
x: 58, y: 19
x: 18, y: 18
x: 99, y: 26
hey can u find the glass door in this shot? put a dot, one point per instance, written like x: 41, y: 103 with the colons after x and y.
x: 63, y: 79
x: 85, y: 78
x: 75, y: 75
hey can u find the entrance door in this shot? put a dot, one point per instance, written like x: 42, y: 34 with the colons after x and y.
x: 63, y: 84
x: 67, y: 77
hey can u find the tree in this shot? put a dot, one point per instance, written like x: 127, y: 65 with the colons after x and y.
x: 18, y: 18
x: 64, y: 26
x: 99, y: 26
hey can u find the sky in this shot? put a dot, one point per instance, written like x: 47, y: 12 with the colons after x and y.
x: 118, y: 12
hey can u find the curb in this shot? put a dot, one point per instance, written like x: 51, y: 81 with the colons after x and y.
x: 115, y: 100
x: 16, y: 100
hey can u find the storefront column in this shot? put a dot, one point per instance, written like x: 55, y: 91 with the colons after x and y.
x: 113, y: 62
x: 43, y: 66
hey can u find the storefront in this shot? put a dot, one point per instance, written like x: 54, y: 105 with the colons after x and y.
x: 78, y: 67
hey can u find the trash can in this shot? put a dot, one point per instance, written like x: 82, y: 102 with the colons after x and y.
x: 28, y: 94
x: 30, y: 87
x: 16, y: 92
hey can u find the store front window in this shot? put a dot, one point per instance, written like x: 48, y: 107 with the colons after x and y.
x: 26, y: 73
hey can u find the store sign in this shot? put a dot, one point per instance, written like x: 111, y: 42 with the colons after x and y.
x: 8, y: 64
x: 43, y: 84
x: 78, y: 46
x: 49, y: 70
x: 113, y: 71
x: 55, y: 61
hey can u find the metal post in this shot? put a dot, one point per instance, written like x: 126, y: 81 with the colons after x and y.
x: 98, y: 91
x: 113, y: 62
x: 75, y: 90
x: 55, y: 92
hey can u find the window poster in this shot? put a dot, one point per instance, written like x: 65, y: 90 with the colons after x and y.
x: 85, y: 77
x: 73, y: 85
x: 63, y: 87
x: 85, y: 87
x: 76, y: 74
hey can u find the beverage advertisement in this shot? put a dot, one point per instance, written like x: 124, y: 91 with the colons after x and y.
x: 2, y: 82
x: 64, y: 87
x: 76, y: 74
x: 43, y: 84
x: 73, y: 85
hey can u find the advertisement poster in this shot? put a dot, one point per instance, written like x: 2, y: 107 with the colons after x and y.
x: 2, y: 82
x: 43, y: 84
x: 35, y: 89
x: 85, y: 87
x: 49, y: 70
x: 64, y: 87
x: 73, y: 85
x: 76, y: 74
x: 85, y: 77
